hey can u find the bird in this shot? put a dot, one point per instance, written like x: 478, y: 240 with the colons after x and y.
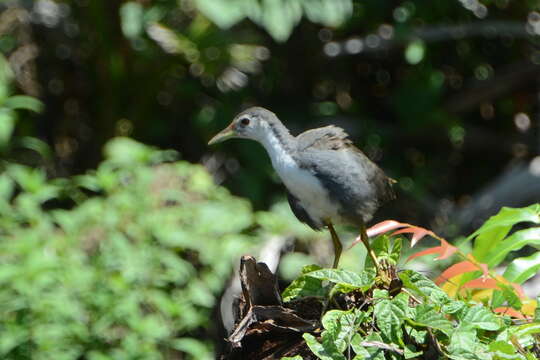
x: 328, y: 180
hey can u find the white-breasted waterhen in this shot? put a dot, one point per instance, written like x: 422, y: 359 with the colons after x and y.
x: 328, y: 179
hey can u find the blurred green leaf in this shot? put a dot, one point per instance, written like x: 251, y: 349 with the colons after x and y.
x: 7, y: 125
x: 131, y: 15
x: 24, y: 102
x: 522, y: 269
x: 291, y: 265
x: 514, y: 242
x: 415, y: 52
x: 495, y: 229
x: 278, y: 17
x: 195, y: 348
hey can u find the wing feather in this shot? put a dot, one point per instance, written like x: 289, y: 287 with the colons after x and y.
x: 325, y: 138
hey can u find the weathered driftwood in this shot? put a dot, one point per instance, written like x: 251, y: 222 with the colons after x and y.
x: 265, y: 329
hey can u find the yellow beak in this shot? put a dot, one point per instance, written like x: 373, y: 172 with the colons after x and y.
x: 223, y: 135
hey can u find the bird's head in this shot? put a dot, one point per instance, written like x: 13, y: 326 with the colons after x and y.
x: 252, y: 124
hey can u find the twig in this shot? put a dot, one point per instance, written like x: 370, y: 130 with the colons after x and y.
x: 435, y: 342
x: 381, y: 345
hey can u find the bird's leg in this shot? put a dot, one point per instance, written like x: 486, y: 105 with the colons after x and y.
x: 365, y: 240
x: 337, y: 244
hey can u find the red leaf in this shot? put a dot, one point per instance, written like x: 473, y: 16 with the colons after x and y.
x: 433, y: 250
x: 444, y: 251
x: 379, y: 228
x: 483, y: 283
x: 383, y: 227
x: 509, y: 311
x: 418, y: 233
x: 447, y: 250
x: 519, y: 291
x: 460, y: 268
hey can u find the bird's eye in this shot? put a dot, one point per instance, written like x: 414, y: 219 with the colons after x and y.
x: 244, y: 121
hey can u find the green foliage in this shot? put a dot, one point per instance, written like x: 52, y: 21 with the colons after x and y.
x: 9, y: 104
x: 492, y: 244
x: 398, y: 326
x: 368, y: 316
x: 388, y: 70
x: 278, y: 17
x: 390, y: 314
x: 128, y: 267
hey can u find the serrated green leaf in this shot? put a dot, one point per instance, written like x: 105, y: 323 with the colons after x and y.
x: 464, y: 344
x: 326, y: 350
x: 380, y: 294
x: 341, y: 326
x: 309, y: 268
x: 390, y: 314
x: 453, y: 306
x: 480, y: 317
x: 427, y: 316
x: 362, y: 280
x: 297, y: 357
x: 304, y: 286
x: 420, y: 284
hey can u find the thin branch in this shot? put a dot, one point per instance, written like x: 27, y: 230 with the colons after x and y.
x: 375, y: 43
x: 382, y: 345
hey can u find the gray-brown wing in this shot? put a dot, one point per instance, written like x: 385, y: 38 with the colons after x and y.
x: 325, y: 138
x: 348, y: 174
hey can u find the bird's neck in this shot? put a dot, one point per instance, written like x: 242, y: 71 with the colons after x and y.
x: 279, y: 145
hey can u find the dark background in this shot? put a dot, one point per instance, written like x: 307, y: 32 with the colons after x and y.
x: 442, y: 94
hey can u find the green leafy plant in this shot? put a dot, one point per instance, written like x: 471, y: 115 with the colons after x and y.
x: 123, y: 262
x: 9, y: 106
x: 403, y: 314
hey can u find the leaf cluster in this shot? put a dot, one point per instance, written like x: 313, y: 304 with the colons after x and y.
x: 404, y: 314
x: 121, y: 263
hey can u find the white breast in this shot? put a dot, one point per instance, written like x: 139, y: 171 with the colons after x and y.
x: 302, y: 184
